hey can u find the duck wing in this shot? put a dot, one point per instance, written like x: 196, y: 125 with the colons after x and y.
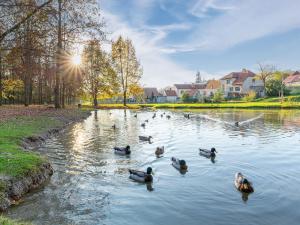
x: 138, y: 173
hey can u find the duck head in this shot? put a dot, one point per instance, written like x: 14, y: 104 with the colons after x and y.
x: 213, y: 151
x: 149, y: 170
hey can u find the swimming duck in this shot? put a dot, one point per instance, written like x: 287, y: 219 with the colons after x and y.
x: 242, y: 184
x: 162, y: 115
x: 144, y: 138
x: 159, y: 151
x: 154, y: 115
x: 179, y: 164
x: 114, y: 126
x: 168, y: 117
x: 236, y: 124
x: 146, y: 121
x: 143, y: 125
x: 208, y: 153
x: 135, y: 115
x: 187, y: 116
x: 141, y: 176
x: 122, y: 151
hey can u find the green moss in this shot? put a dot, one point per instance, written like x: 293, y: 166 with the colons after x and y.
x: 6, y: 221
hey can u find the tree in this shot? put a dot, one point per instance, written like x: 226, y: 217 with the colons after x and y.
x: 275, y: 87
x: 218, y: 96
x: 136, y: 91
x: 99, y: 76
x: 126, y: 65
x: 185, y: 97
x: 266, y: 71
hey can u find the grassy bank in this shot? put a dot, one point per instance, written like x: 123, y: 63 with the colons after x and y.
x: 14, y: 161
x: 242, y: 105
x: 6, y: 221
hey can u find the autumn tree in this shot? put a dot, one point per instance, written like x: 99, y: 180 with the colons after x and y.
x: 99, y: 75
x: 126, y: 64
x: 265, y: 72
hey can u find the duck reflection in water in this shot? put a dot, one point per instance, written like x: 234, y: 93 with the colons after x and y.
x: 149, y: 186
x: 245, y: 196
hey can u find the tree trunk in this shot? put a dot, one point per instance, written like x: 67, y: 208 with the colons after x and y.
x: 58, y: 58
x: 124, y: 98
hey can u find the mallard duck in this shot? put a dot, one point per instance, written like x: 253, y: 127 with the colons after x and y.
x: 236, y: 124
x: 154, y: 115
x: 162, y: 115
x: 144, y: 138
x: 122, y: 151
x: 187, y: 116
x: 141, y: 176
x: 114, y: 126
x: 208, y: 153
x: 168, y: 117
x: 143, y: 125
x: 135, y: 115
x: 159, y: 151
x: 146, y: 121
x: 179, y: 164
x: 242, y: 184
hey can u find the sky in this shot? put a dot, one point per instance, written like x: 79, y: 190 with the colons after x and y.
x: 176, y: 38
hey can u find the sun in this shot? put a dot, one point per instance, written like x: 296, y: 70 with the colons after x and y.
x: 76, y: 60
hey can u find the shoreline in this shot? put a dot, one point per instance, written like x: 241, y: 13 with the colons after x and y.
x: 227, y: 105
x: 16, y: 185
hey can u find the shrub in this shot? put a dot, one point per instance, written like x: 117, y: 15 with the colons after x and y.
x: 251, y: 96
x: 218, y: 96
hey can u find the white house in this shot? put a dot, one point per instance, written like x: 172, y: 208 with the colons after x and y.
x: 191, y: 89
x: 171, y: 95
x: 238, y: 84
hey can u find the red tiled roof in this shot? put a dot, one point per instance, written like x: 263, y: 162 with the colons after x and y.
x: 170, y: 93
x: 292, y: 79
x: 239, y: 77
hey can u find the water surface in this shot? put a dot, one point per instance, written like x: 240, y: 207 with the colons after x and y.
x: 91, y: 186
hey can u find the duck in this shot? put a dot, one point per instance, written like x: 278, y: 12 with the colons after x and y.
x: 242, y: 184
x: 144, y: 138
x: 208, y: 153
x: 146, y: 121
x: 114, y: 126
x: 135, y: 115
x: 162, y: 115
x: 236, y: 123
x: 122, y: 151
x: 187, y: 116
x: 159, y: 151
x: 140, y: 176
x: 154, y: 115
x: 143, y: 125
x: 179, y: 164
x: 168, y: 117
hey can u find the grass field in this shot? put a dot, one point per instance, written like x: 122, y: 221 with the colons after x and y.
x: 6, y: 221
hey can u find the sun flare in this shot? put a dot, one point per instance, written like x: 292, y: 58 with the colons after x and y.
x: 76, y: 60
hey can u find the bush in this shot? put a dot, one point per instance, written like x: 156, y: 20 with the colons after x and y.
x: 218, y: 96
x: 185, y: 97
x: 250, y: 97
x: 273, y: 88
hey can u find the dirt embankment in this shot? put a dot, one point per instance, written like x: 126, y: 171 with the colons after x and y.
x: 12, y: 189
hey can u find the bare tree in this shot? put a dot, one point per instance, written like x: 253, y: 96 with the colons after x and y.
x: 265, y: 71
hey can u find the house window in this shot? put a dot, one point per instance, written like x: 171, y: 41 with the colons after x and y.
x: 237, y: 88
x: 253, y: 80
x: 227, y: 81
x: 231, y: 89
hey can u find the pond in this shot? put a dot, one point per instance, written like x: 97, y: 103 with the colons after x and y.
x: 91, y: 185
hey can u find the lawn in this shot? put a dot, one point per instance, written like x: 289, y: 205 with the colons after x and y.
x: 6, y: 221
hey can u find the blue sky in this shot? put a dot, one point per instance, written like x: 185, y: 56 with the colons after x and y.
x: 176, y: 38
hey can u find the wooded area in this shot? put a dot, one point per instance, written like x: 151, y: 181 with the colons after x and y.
x: 37, y: 44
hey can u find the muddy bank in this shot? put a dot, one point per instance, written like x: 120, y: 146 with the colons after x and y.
x: 12, y: 189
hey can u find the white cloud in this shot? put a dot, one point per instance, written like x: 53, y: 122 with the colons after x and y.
x: 248, y: 20
x: 159, y: 70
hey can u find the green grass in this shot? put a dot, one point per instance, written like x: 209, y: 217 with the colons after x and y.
x: 6, y: 221
x: 14, y: 161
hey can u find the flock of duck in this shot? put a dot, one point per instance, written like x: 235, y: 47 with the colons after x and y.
x: 241, y: 183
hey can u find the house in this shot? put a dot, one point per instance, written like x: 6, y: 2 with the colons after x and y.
x: 151, y: 95
x: 211, y: 88
x: 292, y: 80
x: 191, y: 89
x: 238, y: 84
x: 171, y: 95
